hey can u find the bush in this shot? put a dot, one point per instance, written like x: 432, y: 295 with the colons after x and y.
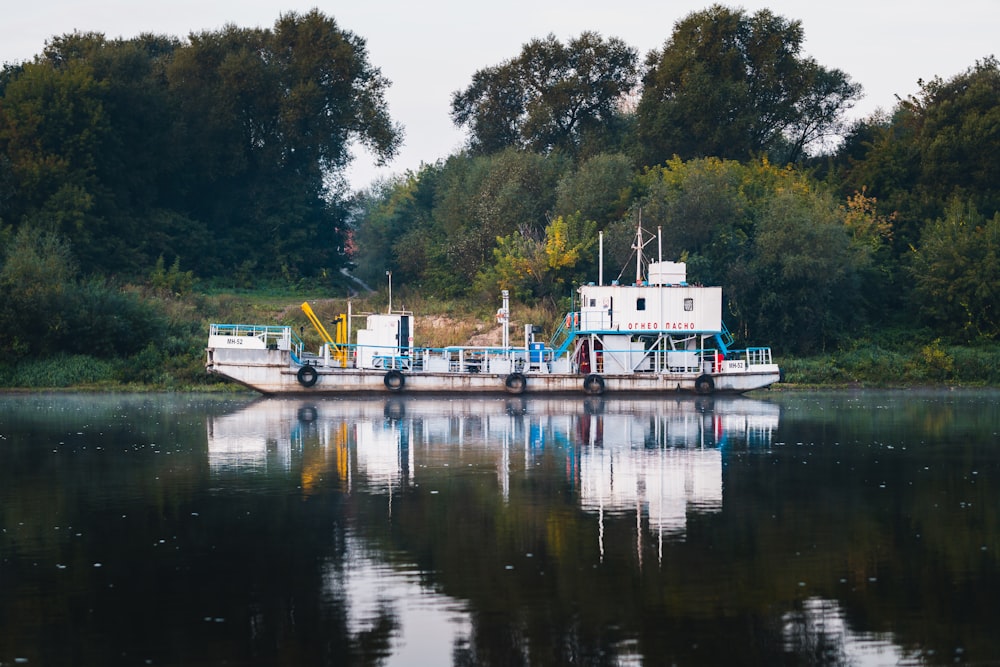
x: 102, y: 321
x: 60, y: 371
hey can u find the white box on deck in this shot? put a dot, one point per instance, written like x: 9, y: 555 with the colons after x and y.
x: 667, y: 273
x: 386, y: 338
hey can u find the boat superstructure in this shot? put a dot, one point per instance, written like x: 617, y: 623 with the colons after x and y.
x: 656, y: 334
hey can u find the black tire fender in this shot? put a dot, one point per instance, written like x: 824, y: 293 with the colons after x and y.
x: 704, y: 385
x: 307, y: 376
x: 593, y: 384
x: 515, y: 383
x: 394, y: 380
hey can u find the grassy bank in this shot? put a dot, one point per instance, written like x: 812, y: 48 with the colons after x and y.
x: 174, y: 361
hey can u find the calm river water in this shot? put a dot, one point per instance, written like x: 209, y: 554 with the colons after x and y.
x: 858, y: 528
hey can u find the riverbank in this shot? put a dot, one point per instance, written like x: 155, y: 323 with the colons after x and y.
x: 176, y: 361
x: 872, y: 367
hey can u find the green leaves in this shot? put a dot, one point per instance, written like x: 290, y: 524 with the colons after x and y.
x: 553, y: 97
x: 225, y: 148
x: 731, y: 85
x: 956, y: 272
x: 532, y: 267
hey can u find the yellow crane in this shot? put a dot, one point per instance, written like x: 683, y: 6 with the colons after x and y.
x: 338, y: 345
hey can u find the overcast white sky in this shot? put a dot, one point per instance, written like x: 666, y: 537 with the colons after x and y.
x: 430, y: 49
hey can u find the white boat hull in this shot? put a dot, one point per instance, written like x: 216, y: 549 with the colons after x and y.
x: 272, y: 372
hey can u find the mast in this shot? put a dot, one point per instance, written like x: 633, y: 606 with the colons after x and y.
x: 638, y: 251
x: 600, y: 260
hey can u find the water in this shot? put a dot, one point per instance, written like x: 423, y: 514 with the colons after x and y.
x: 857, y: 528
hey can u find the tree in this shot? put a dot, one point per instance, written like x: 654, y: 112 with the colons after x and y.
x: 273, y: 113
x: 393, y: 228
x: 959, y: 136
x: 52, y: 127
x: 551, y: 97
x: 225, y: 149
x: 486, y: 198
x: 531, y: 266
x: 600, y: 188
x: 800, y: 283
x: 779, y: 244
x: 732, y: 85
x: 940, y: 144
x: 36, y: 268
x: 956, y: 273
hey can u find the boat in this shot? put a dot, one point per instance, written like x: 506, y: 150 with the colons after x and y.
x: 657, y: 334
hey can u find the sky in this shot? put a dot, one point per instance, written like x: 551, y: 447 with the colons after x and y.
x: 430, y: 49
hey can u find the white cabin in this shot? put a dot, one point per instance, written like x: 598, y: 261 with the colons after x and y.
x: 664, y: 303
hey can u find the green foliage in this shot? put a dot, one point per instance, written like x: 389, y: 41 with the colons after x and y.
x: 732, y: 85
x: 934, y: 362
x: 552, y: 97
x: 47, y: 311
x: 956, y: 273
x: 936, y: 146
x: 600, y: 189
x: 872, y: 365
x: 60, y: 371
x: 705, y: 208
x: 36, y: 268
x: 541, y: 267
x: 106, y: 322
x: 774, y: 239
x: 803, y: 276
x: 226, y: 148
x: 439, y: 229
x: 170, y: 282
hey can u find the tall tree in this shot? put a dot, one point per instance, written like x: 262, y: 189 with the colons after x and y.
x: 222, y: 149
x: 551, y: 97
x: 53, y: 127
x: 732, y: 85
x: 956, y: 272
x: 942, y: 143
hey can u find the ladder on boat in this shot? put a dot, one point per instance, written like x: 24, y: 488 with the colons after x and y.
x: 563, y: 337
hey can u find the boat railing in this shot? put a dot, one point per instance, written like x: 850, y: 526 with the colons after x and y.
x: 672, y: 361
x: 453, y: 359
x: 758, y: 356
x: 271, y: 337
x: 538, y: 358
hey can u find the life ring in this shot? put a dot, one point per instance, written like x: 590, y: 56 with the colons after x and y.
x: 394, y: 409
x: 704, y: 385
x: 515, y: 383
x: 593, y: 384
x: 394, y: 380
x: 307, y: 376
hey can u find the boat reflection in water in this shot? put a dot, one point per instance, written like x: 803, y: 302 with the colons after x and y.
x: 659, y: 458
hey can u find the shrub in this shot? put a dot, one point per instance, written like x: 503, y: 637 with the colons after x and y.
x: 60, y: 371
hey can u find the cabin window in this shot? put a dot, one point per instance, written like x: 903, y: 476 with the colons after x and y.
x: 640, y: 304
x: 689, y: 304
x: 593, y: 303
